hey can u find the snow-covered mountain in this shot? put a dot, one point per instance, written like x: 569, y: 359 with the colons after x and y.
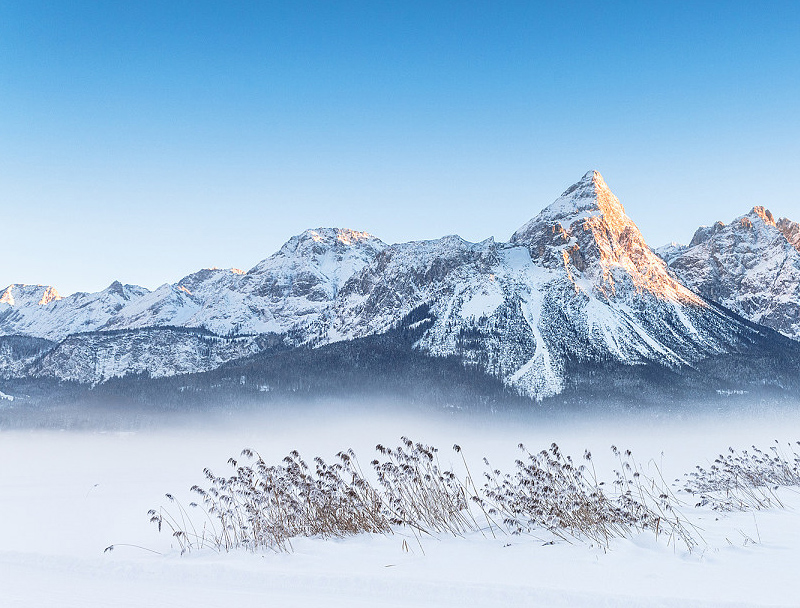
x: 157, y: 352
x: 290, y: 291
x: 791, y: 230
x: 130, y: 330
x: 39, y: 311
x: 18, y: 353
x: 576, y: 285
x: 751, y: 266
x: 576, y: 282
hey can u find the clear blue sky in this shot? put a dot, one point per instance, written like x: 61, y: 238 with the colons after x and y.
x: 142, y: 141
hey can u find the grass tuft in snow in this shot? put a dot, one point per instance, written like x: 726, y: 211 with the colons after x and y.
x: 416, y: 491
x: 549, y: 491
x: 264, y: 506
x: 745, y: 480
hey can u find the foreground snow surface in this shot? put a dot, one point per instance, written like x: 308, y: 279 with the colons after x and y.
x: 65, y: 496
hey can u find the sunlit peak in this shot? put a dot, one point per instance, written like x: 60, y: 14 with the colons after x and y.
x: 49, y: 295
x: 7, y: 297
x: 764, y: 214
x: 595, y: 177
x: 348, y: 237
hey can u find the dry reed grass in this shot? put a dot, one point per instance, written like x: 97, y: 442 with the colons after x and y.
x: 549, y: 491
x: 745, y: 480
x: 548, y: 494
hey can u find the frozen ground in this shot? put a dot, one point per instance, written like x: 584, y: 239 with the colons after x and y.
x: 65, y: 496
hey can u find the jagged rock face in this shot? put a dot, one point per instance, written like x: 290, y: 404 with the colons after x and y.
x: 751, y: 266
x: 587, y: 233
x: 791, y: 230
x: 404, y: 276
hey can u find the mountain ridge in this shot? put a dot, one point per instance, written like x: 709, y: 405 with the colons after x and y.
x: 750, y: 265
x: 575, y: 285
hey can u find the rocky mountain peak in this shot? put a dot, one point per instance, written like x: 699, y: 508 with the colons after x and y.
x: 791, y: 230
x: 49, y: 295
x: 19, y: 294
x: 8, y: 296
x: 758, y: 216
x: 587, y: 233
x: 124, y: 292
x: 588, y: 197
x: 312, y: 245
x: 758, y: 224
x: 751, y: 266
x: 116, y: 288
x: 703, y: 233
x: 329, y: 237
x: 764, y: 214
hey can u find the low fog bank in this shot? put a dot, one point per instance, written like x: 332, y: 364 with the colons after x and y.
x: 323, y: 427
x: 115, y: 415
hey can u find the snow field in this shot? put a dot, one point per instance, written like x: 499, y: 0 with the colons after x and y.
x: 66, y: 496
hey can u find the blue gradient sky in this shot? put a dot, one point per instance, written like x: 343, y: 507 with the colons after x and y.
x: 142, y: 141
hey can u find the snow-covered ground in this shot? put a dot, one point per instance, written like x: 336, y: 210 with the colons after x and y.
x: 65, y: 496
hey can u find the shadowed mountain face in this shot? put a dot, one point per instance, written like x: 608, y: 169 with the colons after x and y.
x: 575, y: 290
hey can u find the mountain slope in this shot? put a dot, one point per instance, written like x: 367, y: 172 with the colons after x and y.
x: 39, y: 311
x: 291, y: 291
x: 577, y: 282
x: 575, y: 298
x: 751, y: 266
x: 18, y: 353
x: 155, y: 352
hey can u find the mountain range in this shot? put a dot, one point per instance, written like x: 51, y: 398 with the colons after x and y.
x: 575, y: 304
